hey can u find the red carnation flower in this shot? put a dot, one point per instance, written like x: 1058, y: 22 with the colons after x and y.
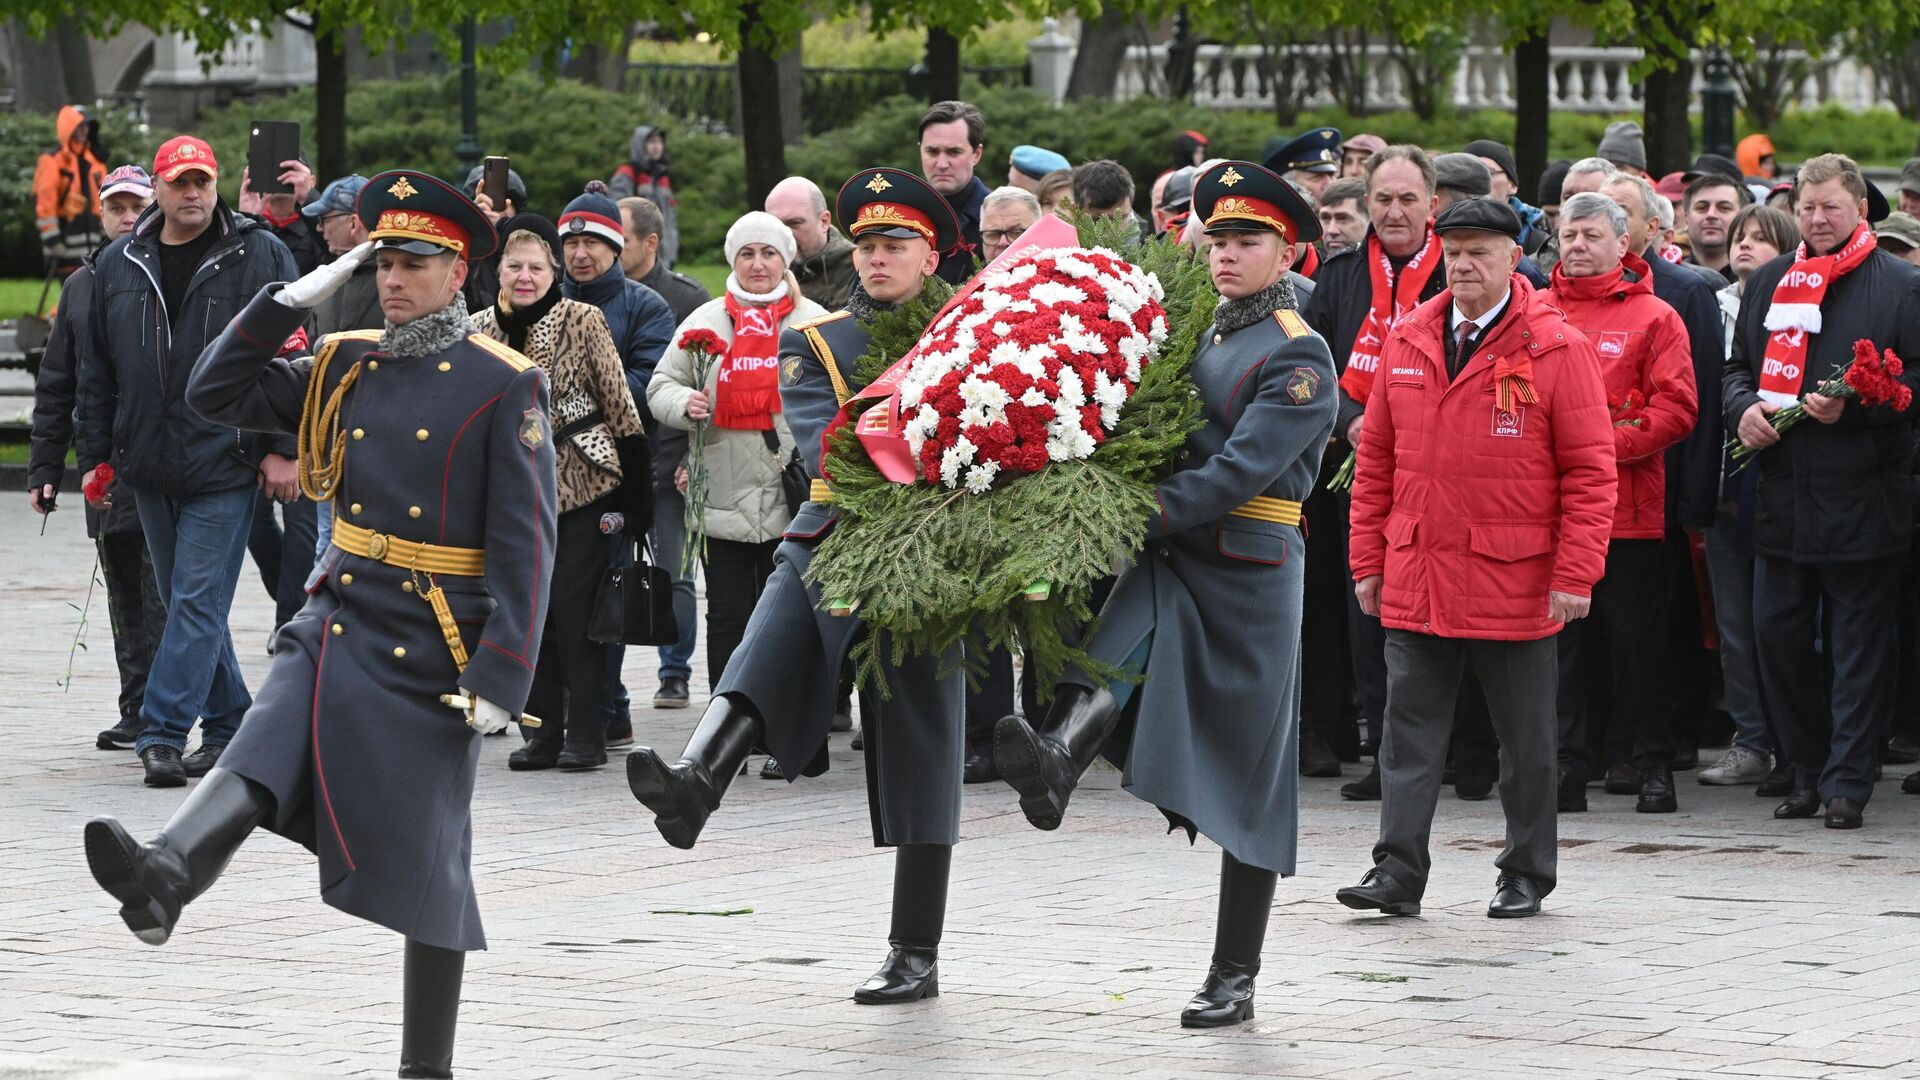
x: 702, y: 341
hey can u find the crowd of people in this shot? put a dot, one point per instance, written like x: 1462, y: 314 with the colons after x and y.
x: 1502, y: 495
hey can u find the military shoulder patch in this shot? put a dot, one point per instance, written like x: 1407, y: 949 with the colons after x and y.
x: 533, y: 429
x: 1303, y: 386
x: 790, y: 368
x: 1292, y: 323
x: 502, y: 351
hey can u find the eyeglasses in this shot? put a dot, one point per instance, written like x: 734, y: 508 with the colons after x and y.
x: 324, y: 218
x: 1002, y: 236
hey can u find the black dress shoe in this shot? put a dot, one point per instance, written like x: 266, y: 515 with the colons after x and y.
x: 1317, y: 759
x: 1472, y: 785
x: 1842, y: 813
x: 1778, y: 783
x: 1656, y: 792
x: 124, y: 734
x: 1622, y: 779
x: 1515, y: 896
x: 1911, y: 785
x: 1225, y: 999
x: 1365, y: 789
x: 620, y: 731
x: 1804, y: 803
x: 1573, y: 793
x: 859, y: 740
x: 533, y: 757
x: 1378, y: 891
x: 578, y: 758
x: 202, y: 761
x: 672, y: 693
x: 911, y: 972
x: 770, y: 770
x: 980, y: 768
x: 1901, y: 751
x: 163, y: 766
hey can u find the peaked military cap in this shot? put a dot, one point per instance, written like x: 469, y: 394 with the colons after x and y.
x: 1239, y: 196
x: 410, y: 211
x: 1316, y: 151
x: 895, y: 203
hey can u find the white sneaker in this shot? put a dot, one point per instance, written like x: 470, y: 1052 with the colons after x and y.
x: 1738, y: 765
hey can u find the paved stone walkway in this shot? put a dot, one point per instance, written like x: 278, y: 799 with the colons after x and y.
x: 1711, y: 943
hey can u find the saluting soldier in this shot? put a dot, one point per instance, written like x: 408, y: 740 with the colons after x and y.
x: 434, y: 445
x: 781, y: 685
x: 1210, y: 611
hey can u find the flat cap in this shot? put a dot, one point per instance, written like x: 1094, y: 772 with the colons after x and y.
x: 1713, y: 163
x: 1483, y: 215
x: 1464, y: 173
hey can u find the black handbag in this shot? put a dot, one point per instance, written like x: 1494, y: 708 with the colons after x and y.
x: 795, y: 484
x: 635, y: 604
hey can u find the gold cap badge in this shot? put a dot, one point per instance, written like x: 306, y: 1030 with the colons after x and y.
x: 878, y: 184
x: 402, y: 189
x: 1230, y: 177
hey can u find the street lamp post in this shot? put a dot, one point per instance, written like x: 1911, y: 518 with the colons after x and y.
x: 468, y: 149
x: 1717, y: 103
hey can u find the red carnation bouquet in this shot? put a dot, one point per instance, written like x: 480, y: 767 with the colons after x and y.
x: 706, y: 348
x: 99, y: 482
x: 1030, y: 368
x: 1873, y: 377
x: 1630, y: 411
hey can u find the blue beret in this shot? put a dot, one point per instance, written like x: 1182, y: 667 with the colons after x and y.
x: 1037, y: 161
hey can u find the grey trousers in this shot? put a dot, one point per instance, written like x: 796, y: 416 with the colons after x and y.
x: 1520, y: 680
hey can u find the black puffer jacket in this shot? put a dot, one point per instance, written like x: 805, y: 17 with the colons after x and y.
x: 137, y: 357
x: 1839, y: 492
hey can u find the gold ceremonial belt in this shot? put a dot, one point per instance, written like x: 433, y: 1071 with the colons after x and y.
x: 1259, y: 508
x: 410, y: 555
x: 819, y: 492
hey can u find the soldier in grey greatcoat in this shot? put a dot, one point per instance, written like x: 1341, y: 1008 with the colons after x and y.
x: 434, y: 445
x: 782, y: 683
x: 1210, y: 613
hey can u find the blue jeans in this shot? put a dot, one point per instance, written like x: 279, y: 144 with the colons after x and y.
x: 669, y: 538
x: 196, y: 544
x: 323, y: 529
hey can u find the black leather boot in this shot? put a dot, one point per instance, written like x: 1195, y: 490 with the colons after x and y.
x: 153, y: 881
x: 912, y: 970
x: 1246, y: 898
x: 429, y: 1010
x: 683, y: 796
x: 1317, y: 758
x: 1044, y: 766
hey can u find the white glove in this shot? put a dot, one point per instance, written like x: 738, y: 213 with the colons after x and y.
x: 324, y: 281
x: 488, y: 718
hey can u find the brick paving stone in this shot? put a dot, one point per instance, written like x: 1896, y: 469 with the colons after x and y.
x: 1710, y: 943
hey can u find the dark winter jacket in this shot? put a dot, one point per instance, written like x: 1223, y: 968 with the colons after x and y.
x: 956, y: 265
x: 1693, y: 463
x: 1342, y: 296
x: 137, y: 358
x: 639, y: 318
x: 55, y: 394
x: 1837, y: 492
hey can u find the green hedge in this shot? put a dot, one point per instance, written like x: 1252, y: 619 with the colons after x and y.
x: 563, y: 133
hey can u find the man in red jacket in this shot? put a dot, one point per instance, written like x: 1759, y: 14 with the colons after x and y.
x: 1646, y: 365
x: 1481, y: 508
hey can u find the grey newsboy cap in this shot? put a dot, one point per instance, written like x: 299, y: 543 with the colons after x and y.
x: 1464, y: 173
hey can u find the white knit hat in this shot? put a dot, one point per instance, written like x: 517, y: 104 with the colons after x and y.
x: 760, y: 227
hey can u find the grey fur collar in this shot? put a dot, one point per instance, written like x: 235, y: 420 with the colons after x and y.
x: 428, y: 334
x: 865, y: 307
x: 1237, y: 314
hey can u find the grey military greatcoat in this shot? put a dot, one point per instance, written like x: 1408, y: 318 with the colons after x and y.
x: 788, y: 665
x: 366, y: 766
x: 1211, y: 610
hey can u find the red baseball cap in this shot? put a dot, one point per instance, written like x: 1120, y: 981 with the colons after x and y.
x: 181, y: 154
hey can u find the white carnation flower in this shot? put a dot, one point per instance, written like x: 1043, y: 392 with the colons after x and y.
x: 980, y: 477
x: 1054, y: 294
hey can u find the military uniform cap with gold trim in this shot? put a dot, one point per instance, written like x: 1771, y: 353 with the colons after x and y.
x: 1239, y: 196
x: 1316, y: 151
x: 410, y: 211
x: 895, y: 203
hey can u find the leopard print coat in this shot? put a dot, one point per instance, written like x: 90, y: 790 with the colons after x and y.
x: 572, y: 345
